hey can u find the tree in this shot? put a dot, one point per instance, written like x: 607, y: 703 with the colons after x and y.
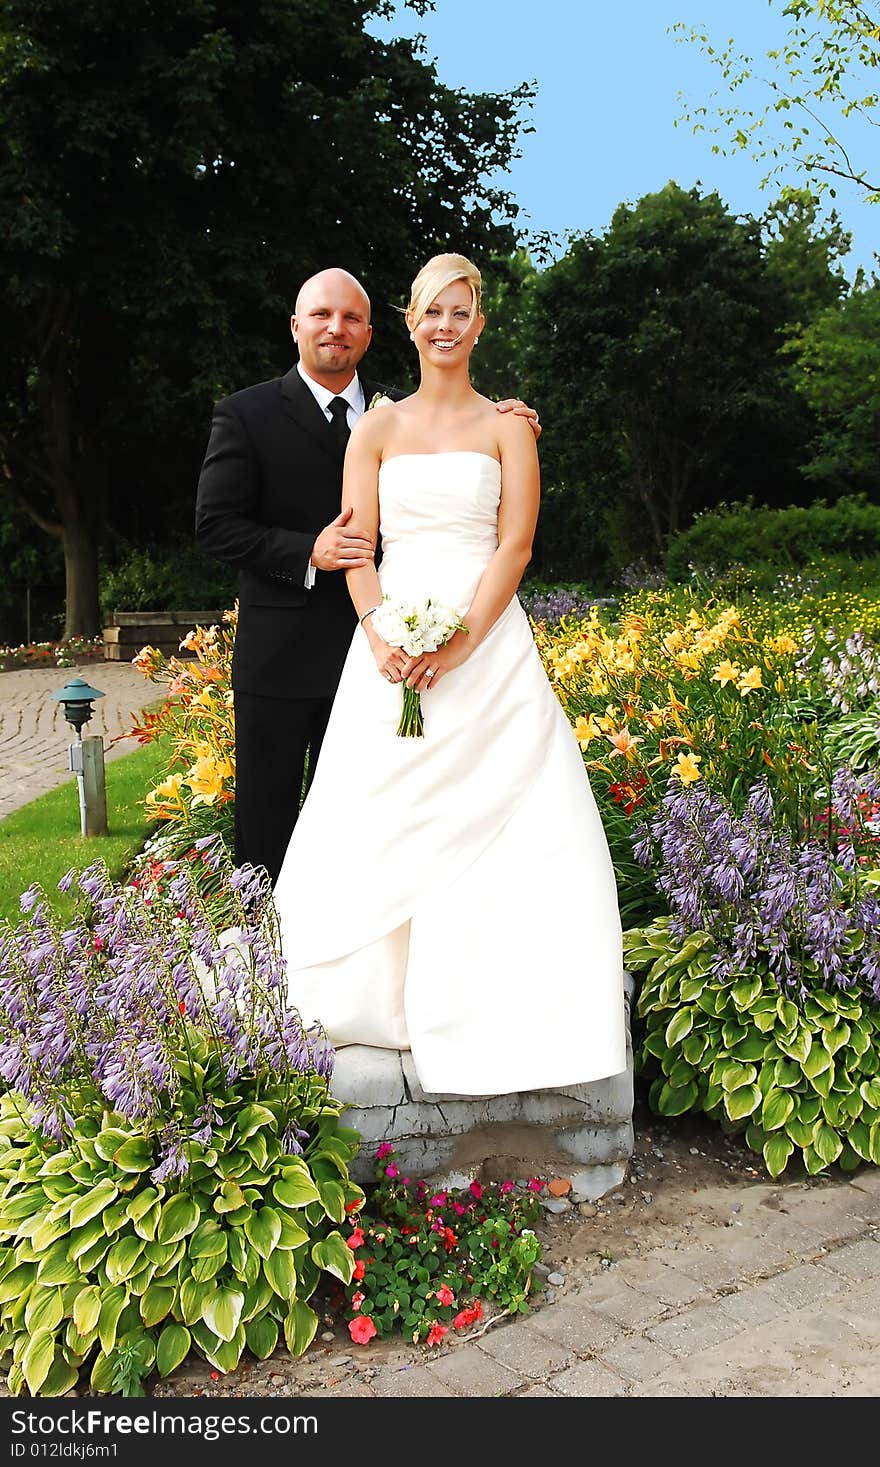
x: 656, y: 363
x: 837, y: 359
x: 822, y: 84
x: 169, y: 171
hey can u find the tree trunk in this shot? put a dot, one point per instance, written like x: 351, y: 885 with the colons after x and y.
x: 82, y: 618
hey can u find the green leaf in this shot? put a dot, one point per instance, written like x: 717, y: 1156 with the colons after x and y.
x: 859, y: 1138
x: 733, y: 1075
x: 675, y: 1100
x: 333, y: 1200
x: 87, y: 1309
x: 813, y: 1161
x: 262, y: 1336
x: 787, y: 1013
x: 827, y: 1142
x: 777, y: 1150
x: 742, y: 1102
x: 56, y: 1268
x: 292, y: 1235
x: 37, y: 1359
x: 746, y: 991
x: 173, y: 1347
x: 123, y: 1259
x: 299, y: 1327
x: 334, y: 1256
x: 44, y: 1310
x: 787, y: 1074
x: 193, y: 1294
x: 679, y: 1026
x: 180, y: 1216
x: 135, y: 1155
x: 262, y: 1230
x: 230, y: 1198
x: 141, y: 1203
x: 208, y: 1241
x: 221, y: 1311
x: 796, y: 1046
x: 250, y: 1118
x: 777, y: 1108
x: 61, y: 1378
x: 816, y: 1062
x: 156, y: 1303
x: 295, y: 1189
x: 93, y: 1202
x: 869, y: 1090
x: 112, y: 1305
x: 280, y: 1271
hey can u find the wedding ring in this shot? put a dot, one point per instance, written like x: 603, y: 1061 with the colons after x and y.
x: 429, y: 672
x: 389, y: 677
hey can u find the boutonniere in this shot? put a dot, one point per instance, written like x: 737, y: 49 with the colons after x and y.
x: 379, y: 399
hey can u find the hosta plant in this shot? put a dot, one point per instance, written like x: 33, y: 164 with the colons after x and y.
x: 173, y: 1172
x: 796, y: 1072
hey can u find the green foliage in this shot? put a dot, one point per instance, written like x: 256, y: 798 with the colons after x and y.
x: 179, y: 577
x: 105, y: 1274
x: 757, y: 536
x: 796, y: 1074
x: 673, y: 395
x: 837, y: 357
x: 423, y: 1261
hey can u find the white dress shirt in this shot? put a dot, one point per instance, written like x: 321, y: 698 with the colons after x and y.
x: 354, y: 396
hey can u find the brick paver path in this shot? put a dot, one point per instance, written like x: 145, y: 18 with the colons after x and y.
x: 34, y: 735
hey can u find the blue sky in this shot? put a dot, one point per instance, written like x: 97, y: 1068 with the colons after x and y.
x: 608, y: 78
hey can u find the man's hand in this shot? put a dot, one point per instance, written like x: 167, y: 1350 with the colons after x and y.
x: 522, y: 410
x: 337, y: 548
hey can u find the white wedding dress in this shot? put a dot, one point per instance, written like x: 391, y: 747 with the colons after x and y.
x: 454, y: 894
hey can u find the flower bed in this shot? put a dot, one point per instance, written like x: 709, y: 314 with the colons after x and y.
x: 735, y: 756
x: 52, y: 654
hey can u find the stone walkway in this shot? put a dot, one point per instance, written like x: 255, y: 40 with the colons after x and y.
x: 34, y: 735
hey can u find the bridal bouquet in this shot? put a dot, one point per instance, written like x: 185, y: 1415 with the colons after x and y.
x: 417, y: 627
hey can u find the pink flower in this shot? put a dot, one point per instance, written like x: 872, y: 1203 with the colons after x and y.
x: 357, y: 1300
x: 476, y: 1190
x: 505, y: 1188
x: 535, y: 1184
x: 436, y: 1333
x: 439, y: 1199
x: 457, y: 1208
x: 384, y: 1150
x: 445, y: 1294
x: 391, y: 1171
x: 362, y: 1329
x: 355, y: 1239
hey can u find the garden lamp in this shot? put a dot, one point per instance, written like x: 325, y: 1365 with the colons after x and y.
x: 85, y: 756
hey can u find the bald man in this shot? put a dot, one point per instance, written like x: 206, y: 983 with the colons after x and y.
x: 268, y: 504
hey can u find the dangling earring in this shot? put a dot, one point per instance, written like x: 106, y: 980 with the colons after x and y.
x: 476, y: 341
x: 411, y: 337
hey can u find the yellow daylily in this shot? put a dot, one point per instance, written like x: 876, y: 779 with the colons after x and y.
x: 726, y: 672
x: 750, y: 681
x: 585, y: 730
x: 686, y: 768
x: 207, y: 778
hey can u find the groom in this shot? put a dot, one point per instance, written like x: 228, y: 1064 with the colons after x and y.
x: 268, y: 504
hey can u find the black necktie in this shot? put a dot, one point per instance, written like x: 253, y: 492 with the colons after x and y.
x: 339, y: 423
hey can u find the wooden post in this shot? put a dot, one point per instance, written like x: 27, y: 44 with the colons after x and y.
x: 94, y: 791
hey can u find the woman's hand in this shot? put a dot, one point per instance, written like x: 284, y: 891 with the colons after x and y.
x: 389, y: 660
x: 425, y: 672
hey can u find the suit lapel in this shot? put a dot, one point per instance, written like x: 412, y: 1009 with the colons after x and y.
x: 299, y: 403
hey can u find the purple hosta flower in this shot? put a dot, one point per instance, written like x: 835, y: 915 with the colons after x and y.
x: 173, y: 1161
x: 204, y: 1122
x: 28, y: 899
x: 552, y: 606
x: 322, y: 1052
x: 136, y: 1073
x: 763, y: 897
x: 291, y: 1141
x: 67, y: 880
x: 251, y: 883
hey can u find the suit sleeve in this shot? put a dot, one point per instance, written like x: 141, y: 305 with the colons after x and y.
x: 228, y: 504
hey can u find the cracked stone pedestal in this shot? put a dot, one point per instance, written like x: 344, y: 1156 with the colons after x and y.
x: 582, y: 1131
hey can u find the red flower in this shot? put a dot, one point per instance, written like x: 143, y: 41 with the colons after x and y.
x: 98, y: 944
x: 445, y: 1294
x: 535, y: 1184
x: 356, y: 1239
x: 362, y: 1329
x: 360, y: 1269
x: 466, y: 1317
x: 355, y: 1206
x: 448, y: 1239
x: 182, y: 1006
x: 436, y: 1333
x: 476, y: 1190
x: 505, y: 1188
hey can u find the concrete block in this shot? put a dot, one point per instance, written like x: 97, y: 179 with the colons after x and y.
x: 364, y: 1076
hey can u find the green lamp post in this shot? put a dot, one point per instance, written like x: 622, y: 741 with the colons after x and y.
x: 85, y: 756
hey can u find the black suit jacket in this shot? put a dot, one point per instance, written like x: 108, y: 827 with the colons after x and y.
x: 271, y: 480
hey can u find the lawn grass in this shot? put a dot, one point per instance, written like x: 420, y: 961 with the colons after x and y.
x: 41, y: 841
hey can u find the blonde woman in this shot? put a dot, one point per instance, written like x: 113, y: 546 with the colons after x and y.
x: 453, y: 894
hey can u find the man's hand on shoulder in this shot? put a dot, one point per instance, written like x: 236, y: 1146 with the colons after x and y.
x: 337, y: 548
x: 522, y: 410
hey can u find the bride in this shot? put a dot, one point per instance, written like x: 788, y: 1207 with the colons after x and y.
x: 453, y: 894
